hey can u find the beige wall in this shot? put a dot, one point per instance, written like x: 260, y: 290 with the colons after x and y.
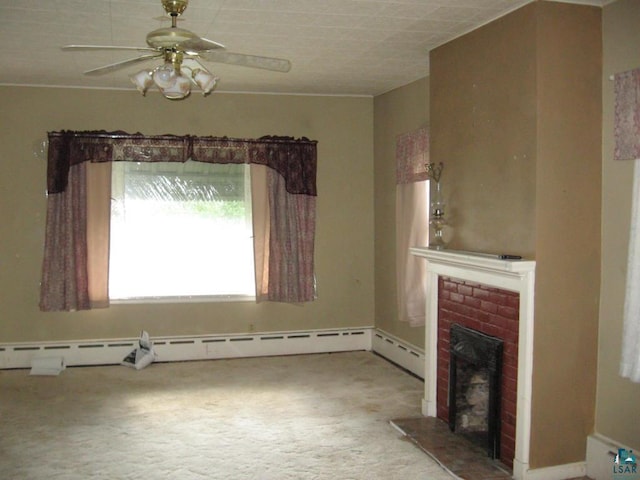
x: 515, y: 115
x: 618, y: 400
x: 483, y: 129
x: 343, y: 127
x: 567, y: 235
x: 400, y: 111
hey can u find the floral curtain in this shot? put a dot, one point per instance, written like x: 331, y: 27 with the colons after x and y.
x: 291, y: 239
x: 284, y: 231
x: 627, y: 115
x: 294, y: 159
x: 65, y: 283
x: 412, y: 224
x: 627, y: 147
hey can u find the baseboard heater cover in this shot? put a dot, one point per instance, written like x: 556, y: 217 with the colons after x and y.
x: 398, y: 351
x: 168, y: 349
x: 601, y: 453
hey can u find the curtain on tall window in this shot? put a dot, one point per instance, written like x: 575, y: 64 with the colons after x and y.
x: 75, y: 266
x: 412, y: 224
x: 627, y: 147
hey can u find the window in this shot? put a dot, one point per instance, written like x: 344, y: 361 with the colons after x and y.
x: 76, y: 266
x: 180, y: 230
x: 412, y: 223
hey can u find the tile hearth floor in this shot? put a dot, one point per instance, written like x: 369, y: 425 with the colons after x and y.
x: 457, y: 454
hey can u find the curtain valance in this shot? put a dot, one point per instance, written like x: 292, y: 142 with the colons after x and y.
x: 412, y: 155
x: 294, y: 159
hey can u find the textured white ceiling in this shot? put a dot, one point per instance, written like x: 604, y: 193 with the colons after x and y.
x: 339, y: 47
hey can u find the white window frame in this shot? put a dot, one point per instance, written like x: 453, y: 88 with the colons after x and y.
x: 172, y: 168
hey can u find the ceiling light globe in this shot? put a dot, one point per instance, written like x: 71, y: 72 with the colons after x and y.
x: 165, y: 76
x: 142, y: 80
x: 180, y: 89
x: 205, y: 80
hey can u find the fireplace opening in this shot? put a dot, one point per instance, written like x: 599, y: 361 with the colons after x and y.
x: 475, y: 370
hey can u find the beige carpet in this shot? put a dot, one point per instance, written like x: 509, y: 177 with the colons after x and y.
x: 303, y: 417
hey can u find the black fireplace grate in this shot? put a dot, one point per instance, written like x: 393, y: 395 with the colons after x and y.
x: 475, y: 370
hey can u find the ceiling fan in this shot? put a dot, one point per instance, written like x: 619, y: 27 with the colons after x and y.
x: 180, y: 50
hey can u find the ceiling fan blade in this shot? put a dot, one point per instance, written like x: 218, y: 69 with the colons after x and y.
x: 199, y: 44
x: 253, y: 61
x: 122, y: 64
x: 80, y: 48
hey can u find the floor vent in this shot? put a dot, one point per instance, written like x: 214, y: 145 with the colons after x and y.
x: 103, y: 352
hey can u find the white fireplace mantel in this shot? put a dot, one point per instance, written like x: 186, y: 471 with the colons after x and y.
x: 513, y: 275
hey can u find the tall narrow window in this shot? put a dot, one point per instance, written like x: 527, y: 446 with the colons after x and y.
x: 180, y: 230
x: 412, y: 223
x: 627, y: 147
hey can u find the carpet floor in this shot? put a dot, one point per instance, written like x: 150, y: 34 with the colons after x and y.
x: 320, y: 416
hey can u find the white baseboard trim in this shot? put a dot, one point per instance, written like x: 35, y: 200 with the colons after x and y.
x: 168, y: 349
x: 558, y: 472
x: 601, y: 452
x: 404, y: 354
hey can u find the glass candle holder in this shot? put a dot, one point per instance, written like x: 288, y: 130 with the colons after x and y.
x: 437, y: 220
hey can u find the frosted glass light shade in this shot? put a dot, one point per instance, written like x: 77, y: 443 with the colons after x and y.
x: 205, y: 80
x: 181, y: 88
x: 142, y: 80
x: 165, y: 76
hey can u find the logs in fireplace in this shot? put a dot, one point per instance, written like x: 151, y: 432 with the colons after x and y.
x: 474, y: 387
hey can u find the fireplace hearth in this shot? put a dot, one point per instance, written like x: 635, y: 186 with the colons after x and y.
x: 475, y: 370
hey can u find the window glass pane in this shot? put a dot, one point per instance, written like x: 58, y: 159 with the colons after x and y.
x: 180, y: 230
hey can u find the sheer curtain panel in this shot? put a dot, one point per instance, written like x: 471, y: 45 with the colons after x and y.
x: 627, y: 147
x: 412, y: 224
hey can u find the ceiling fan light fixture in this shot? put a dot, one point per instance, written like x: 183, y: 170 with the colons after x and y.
x: 180, y: 89
x: 205, y: 80
x: 180, y: 49
x: 142, y: 80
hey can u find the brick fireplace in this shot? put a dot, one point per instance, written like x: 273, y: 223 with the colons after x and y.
x: 491, y: 311
x: 495, y: 297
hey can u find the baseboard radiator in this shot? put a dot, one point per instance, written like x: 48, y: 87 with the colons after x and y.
x: 183, y: 348
x: 169, y: 349
x: 601, y: 452
x: 399, y: 352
